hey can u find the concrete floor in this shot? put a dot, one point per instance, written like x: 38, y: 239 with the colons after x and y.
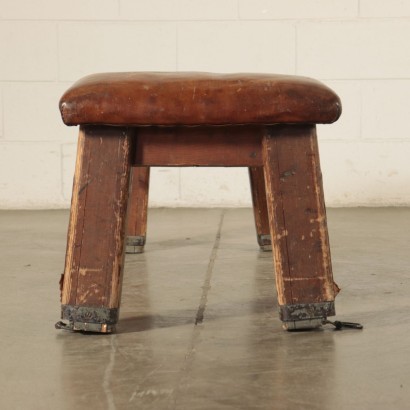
x: 239, y: 357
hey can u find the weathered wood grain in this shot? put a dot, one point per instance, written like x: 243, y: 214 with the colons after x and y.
x: 138, y: 202
x: 95, y: 246
x: 297, y: 215
x: 260, y: 210
x: 199, y: 146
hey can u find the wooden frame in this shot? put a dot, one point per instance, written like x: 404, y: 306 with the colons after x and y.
x: 260, y: 208
x: 297, y: 219
x: 138, y: 209
x: 92, y: 279
x: 216, y: 146
x: 287, y: 194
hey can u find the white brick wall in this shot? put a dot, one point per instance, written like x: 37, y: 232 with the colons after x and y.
x: 30, y: 174
x: 354, y: 49
x: 236, y: 46
x: 89, y: 47
x: 357, y: 47
x: 55, y: 10
x: 28, y: 51
x: 297, y: 9
x: 154, y: 10
x: 1, y: 113
x: 381, y: 8
x: 376, y: 173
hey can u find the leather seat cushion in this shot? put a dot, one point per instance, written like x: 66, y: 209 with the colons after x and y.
x: 149, y: 98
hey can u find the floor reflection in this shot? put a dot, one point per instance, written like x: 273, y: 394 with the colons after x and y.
x: 159, y: 359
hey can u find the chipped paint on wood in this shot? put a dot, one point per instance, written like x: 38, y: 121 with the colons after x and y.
x: 297, y: 215
x: 282, y: 234
x: 85, y: 271
x: 120, y: 206
x: 73, y: 226
x: 321, y: 220
x: 95, y: 250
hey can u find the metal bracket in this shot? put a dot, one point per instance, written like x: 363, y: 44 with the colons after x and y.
x: 85, y: 327
x: 306, y: 315
x: 88, y: 319
x: 303, y: 324
x: 265, y: 242
x: 306, y: 311
x: 135, y: 244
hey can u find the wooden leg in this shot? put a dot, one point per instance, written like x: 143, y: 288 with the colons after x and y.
x: 91, y: 284
x: 297, y: 218
x: 137, y: 210
x: 260, y: 210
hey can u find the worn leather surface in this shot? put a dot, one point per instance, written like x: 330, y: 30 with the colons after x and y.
x: 143, y: 98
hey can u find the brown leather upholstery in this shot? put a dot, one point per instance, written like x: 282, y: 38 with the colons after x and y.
x: 198, y: 99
